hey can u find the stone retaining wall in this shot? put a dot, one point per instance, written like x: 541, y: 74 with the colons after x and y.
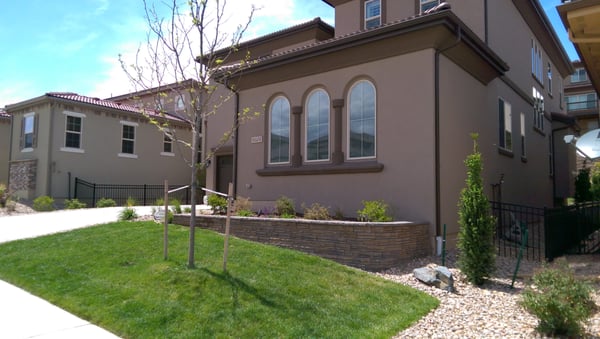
x: 369, y: 246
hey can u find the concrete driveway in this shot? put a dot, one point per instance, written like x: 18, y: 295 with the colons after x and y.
x: 27, y: 316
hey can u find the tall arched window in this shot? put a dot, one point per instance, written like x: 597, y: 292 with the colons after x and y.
x: 317, y: 126
x: 361, y: 120
x: 279, y: 136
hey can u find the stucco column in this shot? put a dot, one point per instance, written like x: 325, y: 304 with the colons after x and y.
x: 338, y: 155
x: 296, y: 156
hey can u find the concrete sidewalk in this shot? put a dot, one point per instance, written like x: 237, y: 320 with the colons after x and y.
x: 27, y: 316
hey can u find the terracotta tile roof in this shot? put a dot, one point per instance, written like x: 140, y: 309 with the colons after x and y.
x: 109, y: 104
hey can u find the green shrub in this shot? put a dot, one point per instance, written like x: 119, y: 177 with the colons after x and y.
x: 245, y: 213
x: 176, y: 206
x: 187, y: 210
x: 316, y: 211
x: 127, y: 213
x: 476, y: 249
x: 285, y: 207
x: 3, y: 195
x: 287, y: 216
x: 217, y: 203
x: 242, y: 204
x: 559, y: 301
x: 159, y: 202
x: 105, y: 202
x: 583, y: 186
x: 374, y: 211
x: 43, y: 204
x: 130, y: 202
x: 74, y: 204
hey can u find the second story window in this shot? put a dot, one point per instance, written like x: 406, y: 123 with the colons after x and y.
x: 73, y: 132
x: 538, y: 109
x: 549, y: 79
x: 128, y: 140
x: 428, y: 4
x: 28, y: 132
x: 580, y: 75
x: 581, y: 102
x: 372, y: 14
x: 505, y: 124
x: 536, y: 61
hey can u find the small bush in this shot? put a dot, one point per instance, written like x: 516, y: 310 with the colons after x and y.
x: 176, y: 206
x: 285, y: 207
x: 287, y: 216
x: 74, y: 204
x: 217, y: 203
x: 266, y: 211
x: 127, y: 213
x: 316, y: 211
x: 130, y: 202
x: 559, y: 301
x: 374, y: 211
x: 159, y: 202
x: 245, y: 213
x: 187, y: 210
x: 43, y: 204
x: 3, y: 195
x: 242, y: 204
x: 105, y: 202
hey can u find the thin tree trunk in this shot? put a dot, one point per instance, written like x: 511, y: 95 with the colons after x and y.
x: 194, y: 185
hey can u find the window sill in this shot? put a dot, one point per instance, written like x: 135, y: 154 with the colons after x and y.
x: 539, y: 131
x: 127, y: 155
x: 346, y: 168
x: 506, y: 152
x: 27, y: 150
x: 167, y: 154
x: 72, y: 150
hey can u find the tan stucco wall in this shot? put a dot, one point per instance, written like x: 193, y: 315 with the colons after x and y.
x: 4, y: 148
x: 101, y: 144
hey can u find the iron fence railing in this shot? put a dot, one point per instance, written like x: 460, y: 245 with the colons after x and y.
x: 143, y: 194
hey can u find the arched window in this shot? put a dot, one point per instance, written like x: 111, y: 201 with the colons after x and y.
x: 317, y: 126
x: 361, y: 120
x: 279, y: 134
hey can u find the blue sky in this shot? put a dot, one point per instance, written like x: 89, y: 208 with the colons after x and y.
x: 73, y: 45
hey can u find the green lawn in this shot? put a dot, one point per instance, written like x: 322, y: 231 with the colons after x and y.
x: 114, y: 276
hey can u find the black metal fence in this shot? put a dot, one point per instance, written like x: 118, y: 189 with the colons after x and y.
x: 552, y: 232
x: 144, y: 195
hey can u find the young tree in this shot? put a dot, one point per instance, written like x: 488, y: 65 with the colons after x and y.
x: 477, y: 253
x: 180, y: 49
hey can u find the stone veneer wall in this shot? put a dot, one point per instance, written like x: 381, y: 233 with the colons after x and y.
x: 22, y: 175
x: 369, y: 246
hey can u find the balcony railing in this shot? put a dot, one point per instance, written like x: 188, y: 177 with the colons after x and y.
x: 582, y: 105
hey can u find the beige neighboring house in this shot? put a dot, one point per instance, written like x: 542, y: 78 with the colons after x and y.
x: 60, y: 136
x: 4, y: 142
x: 382, y: 107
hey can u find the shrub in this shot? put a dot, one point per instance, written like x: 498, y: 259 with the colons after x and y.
x: 285, y: 207
x: 245, y: 213
x: 187, y: 210
x: 316, y: 211
x: 583, y: 186
x: 130, y: 202
x: 374, y: 211
x: 105, y: 202
x: 476, y: 249
x: 43, y: 204
x: 559, y: 301
x: 217, y: 203
x: 176, y: 206
x: 242, y: 204
x: 74, y: 204
x: 127, y: 213
x: 3, y: 195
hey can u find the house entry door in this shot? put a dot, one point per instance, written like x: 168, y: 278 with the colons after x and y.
x: 224, y: 172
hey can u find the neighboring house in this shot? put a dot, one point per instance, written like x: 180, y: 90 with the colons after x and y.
x: 382, y: 107
x: 59, y: 136
x: 4, y: 142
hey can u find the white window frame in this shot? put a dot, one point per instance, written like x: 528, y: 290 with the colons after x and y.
x: 537, y: 65
x: 538, y: 109
x: 318, y: 125
x: 180, y: 104
x: 580, y: 75
x: 424, y: 5
x: 374, y: 18
x: 167, y: 140
x: 505, y: 129
x: 582, y: 101
x: 349, y: 122
x: 289, y: 129
x: 130, y: 124
x: 28, y: 148
x: 550, y: 79
x: 523, y: 138
x: 73, y: 149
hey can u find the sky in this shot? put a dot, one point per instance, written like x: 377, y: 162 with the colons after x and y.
x: 74, y: 45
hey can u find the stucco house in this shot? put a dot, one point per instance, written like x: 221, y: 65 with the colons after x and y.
x: 4, y: 142
x: 57, y: 137
x: 382, y: 107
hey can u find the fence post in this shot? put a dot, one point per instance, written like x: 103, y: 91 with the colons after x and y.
x: 76, y: 184
x: 94, y: 194
x: 144, y: 195
x: 166, y: 231
x: 227, y: 225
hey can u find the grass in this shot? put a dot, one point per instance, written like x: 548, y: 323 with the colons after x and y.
x: 114, y: 276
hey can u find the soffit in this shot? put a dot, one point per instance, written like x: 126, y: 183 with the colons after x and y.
x: 582, y: 20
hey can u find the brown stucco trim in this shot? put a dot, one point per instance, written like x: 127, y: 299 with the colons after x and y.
x: 346, y: 168
x: 430, y: 31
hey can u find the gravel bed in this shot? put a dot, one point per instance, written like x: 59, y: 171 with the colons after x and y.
x: 491, y: 310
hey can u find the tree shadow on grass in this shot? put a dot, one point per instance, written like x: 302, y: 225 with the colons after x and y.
x: 238, y: 285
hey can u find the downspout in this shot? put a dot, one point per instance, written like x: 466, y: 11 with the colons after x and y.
x: 438, y: 198
x: 50, y: 138
x: 485, y: 19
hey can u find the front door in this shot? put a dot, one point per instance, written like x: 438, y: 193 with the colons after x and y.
x: 224, y: 172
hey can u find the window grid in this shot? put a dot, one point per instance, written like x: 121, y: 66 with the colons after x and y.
x: 428, y: 4
x: 167, y: 144
x: 73, y: 132
x: 128, y: 139
x: 362, y: 120
x: 538, y: 109
x: 279, y: 136
x: 372, y: 13
x: 580, y: 75
x: 317, y: 126
x: 523, y: 141
x: 536, y: 61
x: 28, y: 130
